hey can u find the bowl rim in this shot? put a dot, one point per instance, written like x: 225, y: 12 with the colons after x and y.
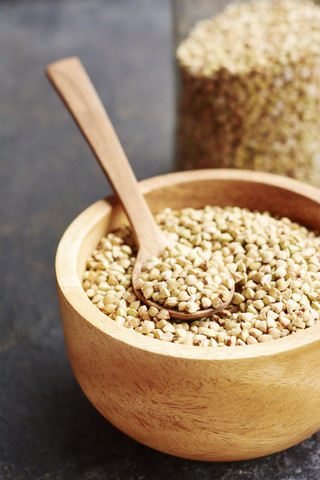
x: 70, y: 286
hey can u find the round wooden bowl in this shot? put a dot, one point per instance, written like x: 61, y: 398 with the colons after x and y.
x: 215, y: 404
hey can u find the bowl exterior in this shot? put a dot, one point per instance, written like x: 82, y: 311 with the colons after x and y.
x: 198, y: 409
x: 188, y: 401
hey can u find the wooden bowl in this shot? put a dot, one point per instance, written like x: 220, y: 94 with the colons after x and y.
x: 215, y: 404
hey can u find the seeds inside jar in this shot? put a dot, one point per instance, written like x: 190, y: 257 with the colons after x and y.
x: 274, y: 262
x: 250, y: 90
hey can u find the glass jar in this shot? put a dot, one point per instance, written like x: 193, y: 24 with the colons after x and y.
x: 248, y: 86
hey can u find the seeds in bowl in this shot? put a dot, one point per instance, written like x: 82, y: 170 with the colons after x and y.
x: 274, y: 262
x: 250, y: 90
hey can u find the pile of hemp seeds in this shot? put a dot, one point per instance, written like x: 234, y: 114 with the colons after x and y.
x: 250, y: 90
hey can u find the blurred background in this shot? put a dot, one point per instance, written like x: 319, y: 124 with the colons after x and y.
x: 48, y: 175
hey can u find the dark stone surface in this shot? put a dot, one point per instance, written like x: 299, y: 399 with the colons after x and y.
x: 48, y: 429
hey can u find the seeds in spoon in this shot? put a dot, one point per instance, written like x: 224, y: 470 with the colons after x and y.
x: 186, y: 278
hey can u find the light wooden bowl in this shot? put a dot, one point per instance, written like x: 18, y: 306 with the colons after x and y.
x: 215, y: 404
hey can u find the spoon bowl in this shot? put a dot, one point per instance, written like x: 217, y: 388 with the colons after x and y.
x: 71, y: 81
x: 174, y: 313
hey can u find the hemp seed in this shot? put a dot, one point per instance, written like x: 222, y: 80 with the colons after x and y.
x: 250, y: 91
x: 262, y: 309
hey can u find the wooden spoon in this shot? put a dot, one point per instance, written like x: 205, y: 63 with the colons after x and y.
x: 71, y: 81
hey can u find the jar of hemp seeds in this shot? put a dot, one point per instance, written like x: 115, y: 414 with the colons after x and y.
x: 248, y: 86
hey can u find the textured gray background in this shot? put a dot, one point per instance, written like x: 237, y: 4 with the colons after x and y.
x: 48, y: 429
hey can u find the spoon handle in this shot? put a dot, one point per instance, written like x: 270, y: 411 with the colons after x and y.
x: 72, y: 82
